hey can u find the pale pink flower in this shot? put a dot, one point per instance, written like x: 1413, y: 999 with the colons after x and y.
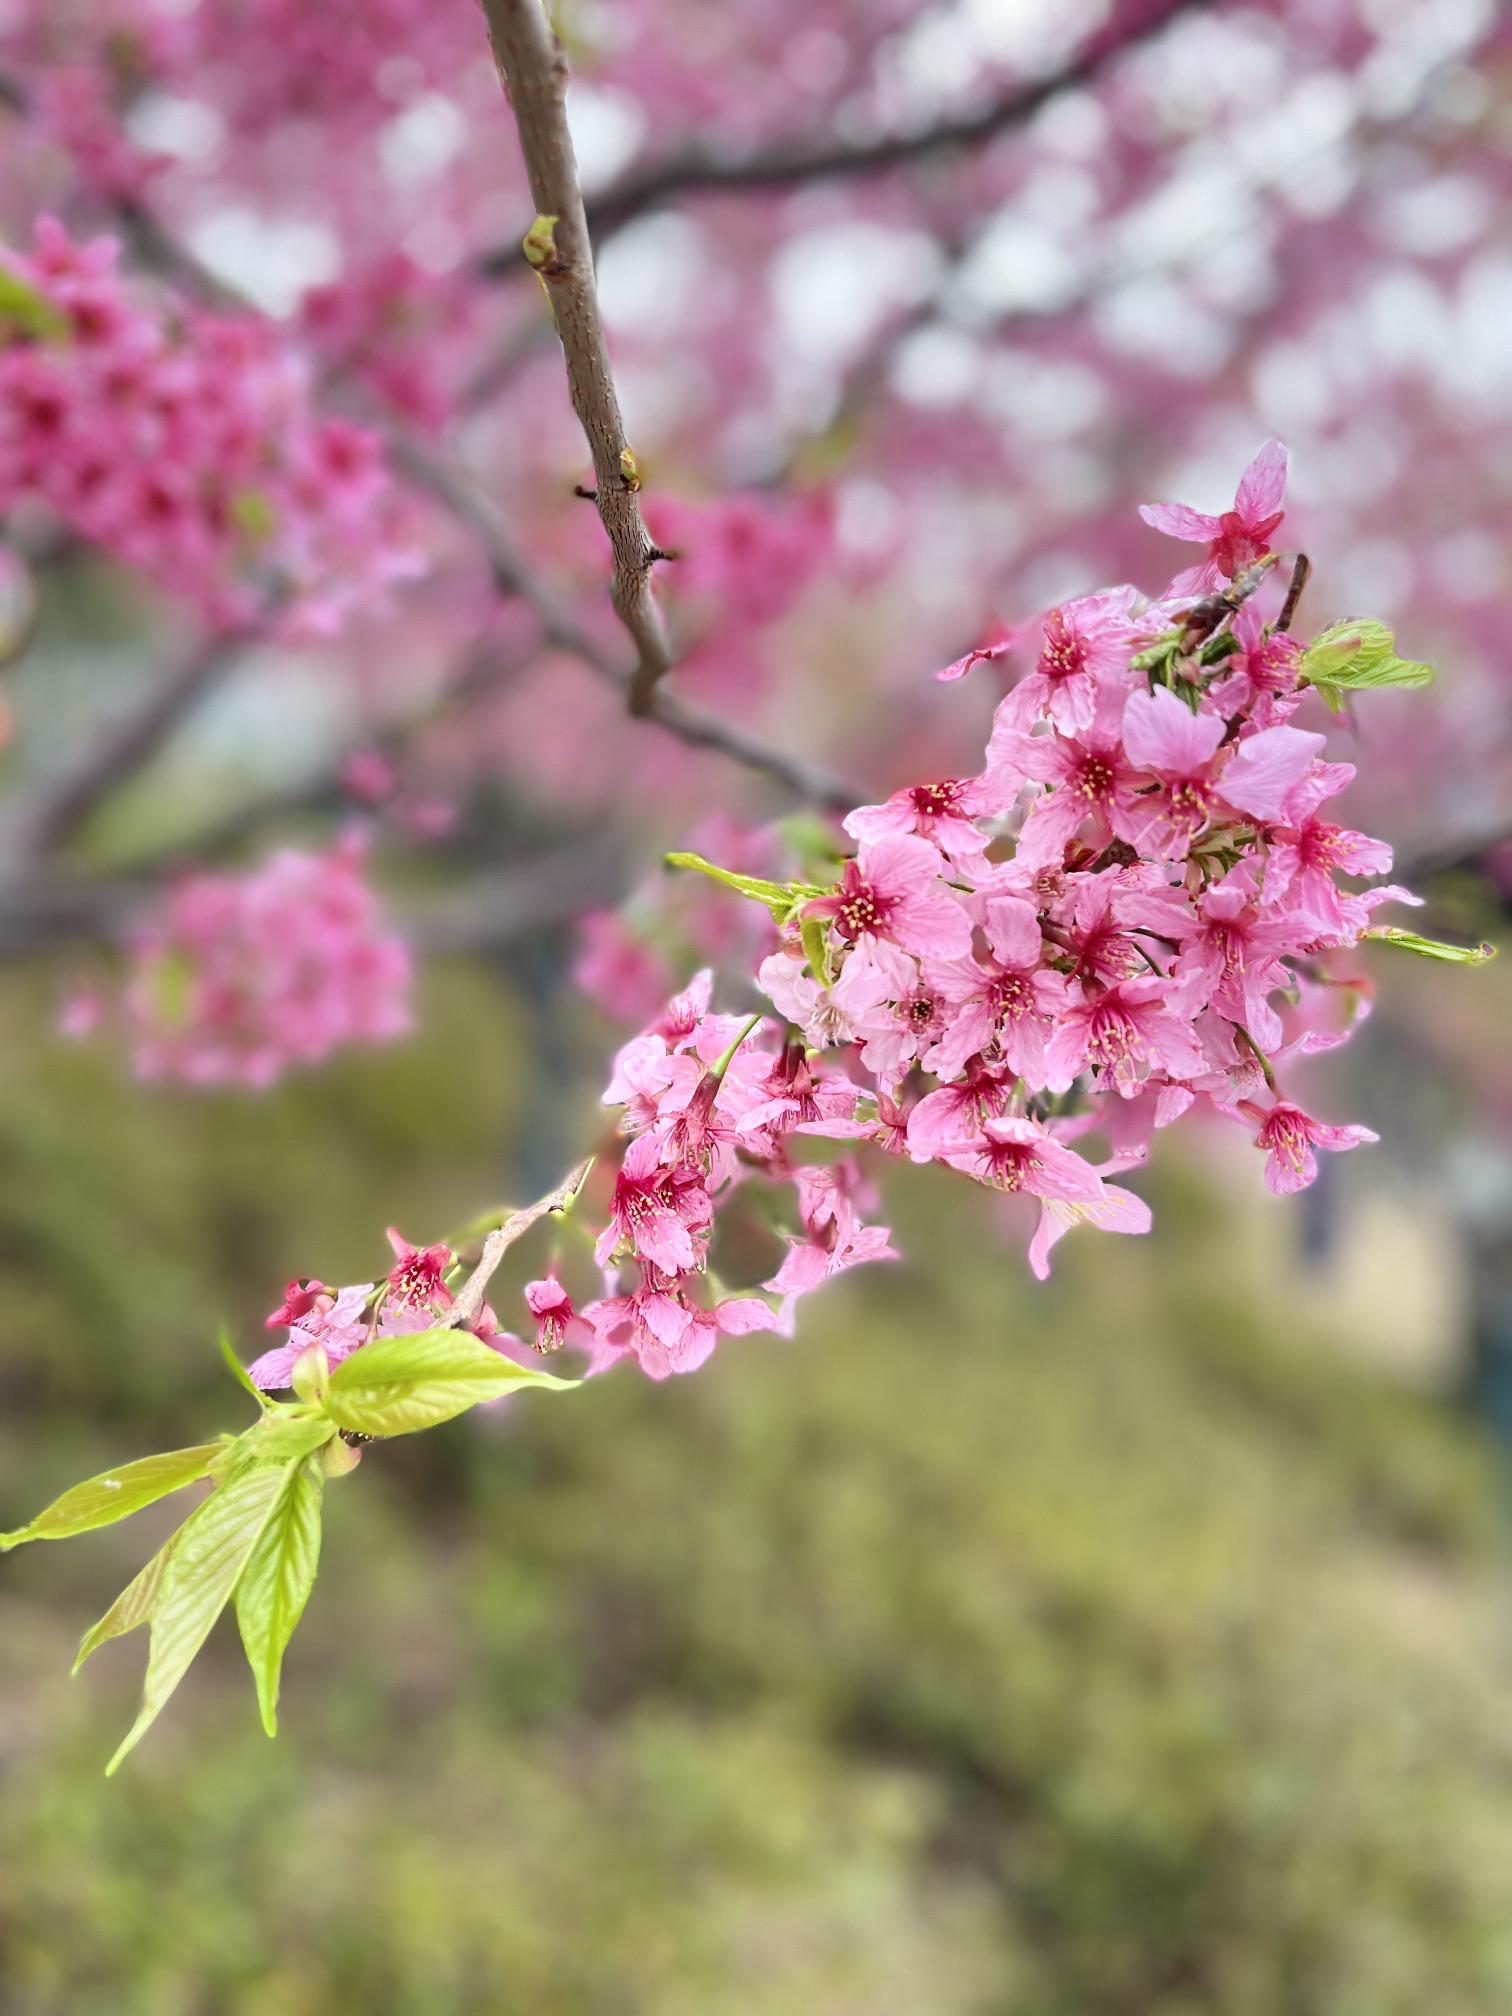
x: 834, y: 1241
x: 952, y: 1113
x: 1179, y: 748
x: 1015, y: 1154
x: 1262, y: 776
x: 797, y: 1096
x: 1114, y: 1209
x: 1302, y: 860
x: 1091, y: 777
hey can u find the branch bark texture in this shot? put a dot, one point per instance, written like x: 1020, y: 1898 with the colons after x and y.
x: 534, y: 72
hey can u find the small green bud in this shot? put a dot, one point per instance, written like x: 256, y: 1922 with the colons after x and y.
x: 311, y: 1376
x: 540, y: 244
x: 339, y: 1458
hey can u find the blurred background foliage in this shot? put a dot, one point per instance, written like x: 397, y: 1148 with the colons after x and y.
x: 1125, y: 1645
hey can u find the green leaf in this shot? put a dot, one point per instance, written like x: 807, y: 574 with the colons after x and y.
x: 777, y: 896
x: 211, y: 1549
x: 398, y: 1385
x: 1432, y: 948
x: 116, y: 1493
x: 811, y: 930
x: 239, y: 1371
x: 1356, y: 656
x: 252, y: 513
x: 135, y: 1604
x: 288, y: 1438
x: 25, y: 312
x: 276, y: 1583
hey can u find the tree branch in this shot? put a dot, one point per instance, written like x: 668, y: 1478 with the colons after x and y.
x: 64, y: 806
x: 534, y: 72
x: 698, y: 170
x: 560, y: 629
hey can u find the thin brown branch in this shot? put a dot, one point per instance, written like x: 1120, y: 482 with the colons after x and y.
x: 534, y: 71
x: 790, y: 164
x: 470, y: 1296
x: 560, y: 629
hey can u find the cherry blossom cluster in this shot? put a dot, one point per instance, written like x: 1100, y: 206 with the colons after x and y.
x: 240, y: 977
x: 186, y: 444
x: 1130, y: 914
x: 710, y: 1102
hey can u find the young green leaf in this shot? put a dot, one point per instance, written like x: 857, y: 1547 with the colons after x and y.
x: 26, y: 312
x: 775, y: 895
x: 211, y: 1549
x: 1356, y: 656
x: 239, y: 1371
x: 276, y: 1583
x: 288, y: 1438
x: 811, y: 931
x: 1432, y: 948
x: 116, y: 1493
x: 398, y: 1385
x: 135, y: 1604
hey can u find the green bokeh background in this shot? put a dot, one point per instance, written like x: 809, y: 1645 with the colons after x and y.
x: 1118, y: 1646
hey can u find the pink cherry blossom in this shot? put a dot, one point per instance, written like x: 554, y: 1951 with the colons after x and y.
x: 893, y: 890
x: 1163, y: 736
x: 1289, y: 1137
x: 1016, y: 1154
x: 418, y: 1276
x: 664, y: 1330
x: 944, y: 812
x: 1086, y: 642
x: 239, y: 977
x: 658, y: 1212
x: 1233, y: 958
x: 551, y: 1306
x: 1122, y: 1033
x: 1236, y: 537
x: 1005, y: 1005
x: 335, y: 1321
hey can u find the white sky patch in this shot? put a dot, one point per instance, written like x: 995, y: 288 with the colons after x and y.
x: 1442, y: 214
x: 832, y: 287
x: 273, y: 260
x: 183, y: 127
x: 1018, y: 263
x: 936, y: 367
x: 645, y: 271
x: 422, y: 141
x: 607, y: 129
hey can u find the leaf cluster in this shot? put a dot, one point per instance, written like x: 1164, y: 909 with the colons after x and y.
x: 254, y: 1540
